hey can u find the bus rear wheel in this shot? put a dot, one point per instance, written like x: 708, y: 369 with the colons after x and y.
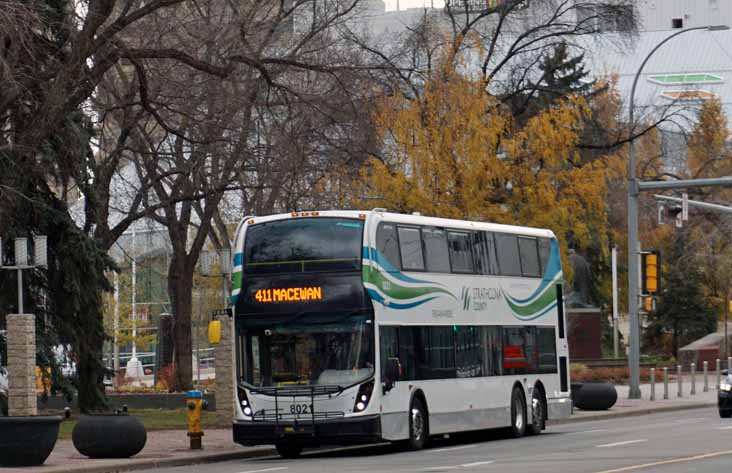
x: 288, y: 450
x: 538, y: 422
x: 418, y: 427
x: 518, y: 414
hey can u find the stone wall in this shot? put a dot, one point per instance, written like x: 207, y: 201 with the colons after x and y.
x: 225, y: 374
x: 21, y: 336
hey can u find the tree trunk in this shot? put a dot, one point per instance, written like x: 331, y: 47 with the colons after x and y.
x: 180, y: 288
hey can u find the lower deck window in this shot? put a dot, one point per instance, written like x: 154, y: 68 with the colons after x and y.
x: 469, y: 351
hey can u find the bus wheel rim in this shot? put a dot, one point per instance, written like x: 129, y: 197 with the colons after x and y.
x: 519, y: 420
x: 417, y: 424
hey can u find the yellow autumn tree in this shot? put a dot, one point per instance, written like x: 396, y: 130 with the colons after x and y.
x: 708, y: 142
x: 455, y: 152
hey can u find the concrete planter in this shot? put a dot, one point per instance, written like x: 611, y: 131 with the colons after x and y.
x: 27, y: 441
x: 594, y: 396
x: 109, y: 436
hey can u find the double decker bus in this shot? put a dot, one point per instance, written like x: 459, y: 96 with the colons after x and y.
x: 367, y: 326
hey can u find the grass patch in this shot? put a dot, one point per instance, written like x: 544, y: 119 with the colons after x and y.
x: 153, y: 419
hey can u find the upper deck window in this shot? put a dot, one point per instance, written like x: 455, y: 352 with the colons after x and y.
x: 435, y: 246
x: 461, y: 255
x: 529, y: 257
x: 508, y: 254
x: 387, y: 244
x: 304, y: 245
x: 410, y: 244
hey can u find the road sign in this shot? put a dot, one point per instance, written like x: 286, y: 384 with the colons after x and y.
x: 685, y: 206
x: 217, y: 313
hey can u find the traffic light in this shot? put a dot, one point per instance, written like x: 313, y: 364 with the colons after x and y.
x: 650, y: 272
x: 648, y: 304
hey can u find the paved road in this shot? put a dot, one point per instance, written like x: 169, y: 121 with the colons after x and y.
x: 694, y: 440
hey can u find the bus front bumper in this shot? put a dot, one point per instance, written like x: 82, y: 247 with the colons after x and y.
x: 342, y: 431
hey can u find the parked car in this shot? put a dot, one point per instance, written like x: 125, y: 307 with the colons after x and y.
x: 724, y: 395
x: 3, y: 380
x: 3, y: 391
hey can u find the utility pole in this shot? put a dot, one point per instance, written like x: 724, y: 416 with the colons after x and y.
x: 615, y: 300
x: 634, y: 188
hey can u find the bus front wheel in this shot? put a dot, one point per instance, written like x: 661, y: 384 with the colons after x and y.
x: 288, y: 450
x: 418, y: 427
x: 518, y: 413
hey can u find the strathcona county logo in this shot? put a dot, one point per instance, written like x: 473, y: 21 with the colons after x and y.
x: 476, y: 298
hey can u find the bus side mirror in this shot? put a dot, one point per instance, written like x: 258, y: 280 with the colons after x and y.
x: 392, y: 373
x: 214, y: 332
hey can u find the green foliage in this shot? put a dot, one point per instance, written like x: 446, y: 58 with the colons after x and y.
x: 683, y: 313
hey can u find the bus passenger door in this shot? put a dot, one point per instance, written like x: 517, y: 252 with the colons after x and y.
x: 395, y: 398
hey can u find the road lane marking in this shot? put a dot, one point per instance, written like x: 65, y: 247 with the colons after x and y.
x: 689, y: 421
x: 668, y: 462
x: 266, y: 469
x: 729, y: 427
x: 452, y: 449
x: 469, y: 465
x: 593, y: 431
x: 455, y: 467
x: 617, y: 444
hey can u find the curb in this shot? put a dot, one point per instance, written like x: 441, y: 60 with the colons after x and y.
x: 639, y: 412
x: 146, y: 464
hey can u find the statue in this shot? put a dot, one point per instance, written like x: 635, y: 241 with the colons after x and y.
x: 581, y: 288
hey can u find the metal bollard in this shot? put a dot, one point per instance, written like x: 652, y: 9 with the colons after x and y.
x: 719, y: 365
x: 693, y: 379
x: 729, y: 364
x: 706, y: 376
x: 679, y: 381
x: 665, y: 383
x: 653, y: 384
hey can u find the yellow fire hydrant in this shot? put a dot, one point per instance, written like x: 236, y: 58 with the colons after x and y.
x: 195, y: 404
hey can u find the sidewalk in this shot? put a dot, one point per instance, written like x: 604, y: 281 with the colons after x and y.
x: 631, y: 407
x: 164, y: 448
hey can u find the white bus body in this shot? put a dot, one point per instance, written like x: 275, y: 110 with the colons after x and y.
x: 469, y: 314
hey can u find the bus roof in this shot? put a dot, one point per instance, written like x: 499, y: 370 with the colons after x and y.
x: 410, y: 219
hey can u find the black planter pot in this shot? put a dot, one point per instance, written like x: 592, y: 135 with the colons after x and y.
x: 109, y: 436
x: 594, y: 396
x: 27, y: 441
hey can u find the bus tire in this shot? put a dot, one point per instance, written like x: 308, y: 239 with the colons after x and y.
x: 418, y: 425
x: 288, y: 450
x: 518, y: 413
x: 538, y: 416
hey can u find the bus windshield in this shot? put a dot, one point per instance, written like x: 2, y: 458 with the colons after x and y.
x: 304, y: 245
x: 327, y: 349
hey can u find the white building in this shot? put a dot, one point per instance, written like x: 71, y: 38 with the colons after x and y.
x: 662, y: 15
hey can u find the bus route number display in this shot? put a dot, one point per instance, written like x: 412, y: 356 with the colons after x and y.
x: 290, y: 294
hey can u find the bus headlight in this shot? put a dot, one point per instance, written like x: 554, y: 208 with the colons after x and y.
x: 363, y: 397
x: 246, y: 407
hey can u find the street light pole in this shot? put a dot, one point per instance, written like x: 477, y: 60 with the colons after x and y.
x: 633, y: 243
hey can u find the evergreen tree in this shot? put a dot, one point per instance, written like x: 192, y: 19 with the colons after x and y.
x: 43, y: 150
x: 561, y: 75
x: 683, y: 311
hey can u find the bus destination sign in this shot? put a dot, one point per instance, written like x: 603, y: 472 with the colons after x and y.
x: 290, y: 294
